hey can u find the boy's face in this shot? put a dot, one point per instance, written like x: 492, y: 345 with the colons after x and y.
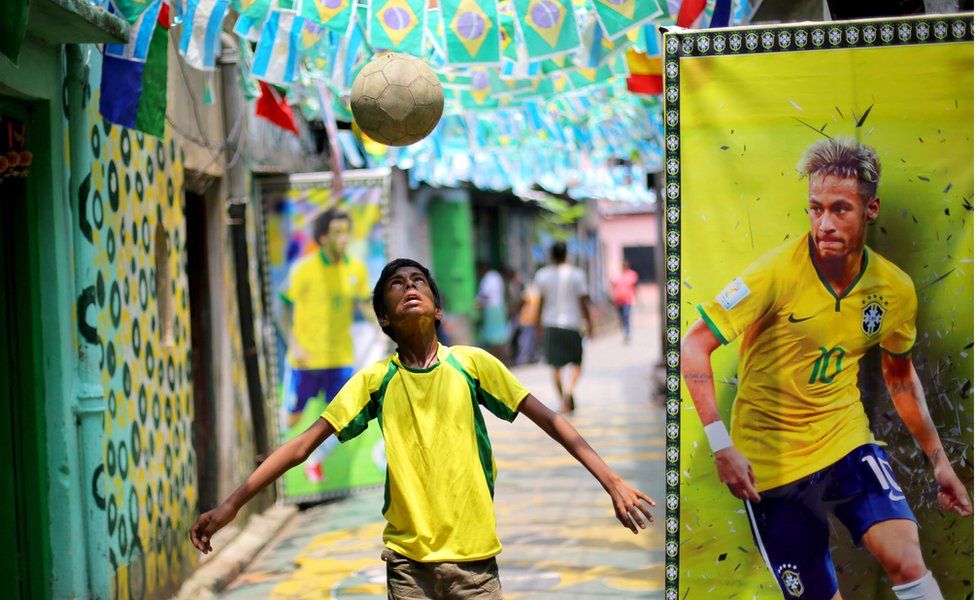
x: 407, y: 296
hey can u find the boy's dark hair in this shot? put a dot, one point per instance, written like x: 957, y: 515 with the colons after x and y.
x: 391, y: 267
x: 321, y: 222
x: 558, y: 252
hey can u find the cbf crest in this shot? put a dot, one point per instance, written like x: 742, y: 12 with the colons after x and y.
x: 789, y: 577
x: 872, y: 315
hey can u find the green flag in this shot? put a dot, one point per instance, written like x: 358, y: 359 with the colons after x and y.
x: 547, y: 26
x: 471, y: 32
x: 617, y: 16
x: 397, y: 25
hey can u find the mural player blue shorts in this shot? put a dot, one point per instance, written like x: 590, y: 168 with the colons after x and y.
x: 305, y: 384
x: 790, y: 523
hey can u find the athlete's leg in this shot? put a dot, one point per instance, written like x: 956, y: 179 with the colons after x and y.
x: 791, y: 534
x: 876, y: 513
x: 895, y: 544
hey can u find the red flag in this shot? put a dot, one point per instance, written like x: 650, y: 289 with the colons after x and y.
x: 273, y: 107
x: 645, y: 73
x: 689, y: 12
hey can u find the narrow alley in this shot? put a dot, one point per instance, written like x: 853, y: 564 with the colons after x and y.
x: 560, y: 537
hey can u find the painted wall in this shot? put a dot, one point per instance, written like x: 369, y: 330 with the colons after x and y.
x: 617, y: 232
x: 146, y: 484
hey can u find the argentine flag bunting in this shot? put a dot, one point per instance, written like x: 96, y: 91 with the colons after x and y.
x: 471, y: 32
x: 397, y: 25
x: 279, y: 49
x: 548, y: 27
x: 200, y: 39
x: 140, y: 34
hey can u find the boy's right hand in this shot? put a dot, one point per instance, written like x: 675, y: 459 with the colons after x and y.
x: 208, y: 524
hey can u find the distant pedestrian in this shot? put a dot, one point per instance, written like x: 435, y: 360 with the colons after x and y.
x: 624, y: 292
x: 440, y: 539
x: 564, y: 306
x: 527, y: 323
x: 493, y: 328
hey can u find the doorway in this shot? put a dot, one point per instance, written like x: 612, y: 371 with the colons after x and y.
x: 22, y: 471
x: 201, y: 353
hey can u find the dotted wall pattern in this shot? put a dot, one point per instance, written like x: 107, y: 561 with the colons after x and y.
x: 146, y: 485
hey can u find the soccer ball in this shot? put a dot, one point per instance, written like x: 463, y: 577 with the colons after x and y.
x: 397, y: 99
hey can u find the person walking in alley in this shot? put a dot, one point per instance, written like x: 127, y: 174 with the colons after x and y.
x: 440, y: 538
x: 493, y: 329
x: 318, y: 300
x: 563, y: 307
x: 624, y: 294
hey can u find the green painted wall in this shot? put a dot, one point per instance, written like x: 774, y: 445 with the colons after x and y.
x: 452, y: 252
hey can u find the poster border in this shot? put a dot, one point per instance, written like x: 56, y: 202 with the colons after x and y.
x: 759, y: 39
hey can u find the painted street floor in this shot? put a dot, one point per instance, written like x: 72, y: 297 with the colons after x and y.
x: 560, y: 537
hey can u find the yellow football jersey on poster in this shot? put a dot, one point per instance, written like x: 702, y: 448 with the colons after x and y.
x: 440, y: 474
x: 798, y: 408
x: 323, y: 296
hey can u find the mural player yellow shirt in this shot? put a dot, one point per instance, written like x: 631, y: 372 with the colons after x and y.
x: 323, y: 295
x: 440, y: 475
x: 798, y: 408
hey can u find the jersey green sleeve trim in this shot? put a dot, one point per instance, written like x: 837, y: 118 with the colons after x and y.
x: 286, y: 299
x: 480, y: 429
x: 904, y: 354
x: 372, y: 409
x: 711, y: 325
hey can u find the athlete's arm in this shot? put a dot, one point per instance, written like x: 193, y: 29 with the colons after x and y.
x: 734, y: 469
x: 908, y: 397
x: 291, y: 454
x: 626, y: 499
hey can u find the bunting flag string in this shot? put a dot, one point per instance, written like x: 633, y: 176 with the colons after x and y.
x: 200, y: 39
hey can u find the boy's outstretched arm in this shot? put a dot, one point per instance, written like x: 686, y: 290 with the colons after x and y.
x: 626, y: 499
x: 291, y: 454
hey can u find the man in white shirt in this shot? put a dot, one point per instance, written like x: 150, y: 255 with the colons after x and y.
x: 564, y: 306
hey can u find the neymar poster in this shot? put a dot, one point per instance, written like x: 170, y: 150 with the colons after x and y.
x: 819, y: 210
x: 323, y: 254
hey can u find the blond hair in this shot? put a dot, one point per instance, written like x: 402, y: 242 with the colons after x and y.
x: 843, y: 157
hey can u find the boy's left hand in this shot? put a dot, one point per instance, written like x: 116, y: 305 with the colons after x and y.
x: 629, y: 504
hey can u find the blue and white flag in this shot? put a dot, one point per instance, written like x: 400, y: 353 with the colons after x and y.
x: 200, y: 40
x: 140, y: 34
x: 279, y: 49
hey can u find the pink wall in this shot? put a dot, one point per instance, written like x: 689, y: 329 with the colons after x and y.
x: 627, y: 230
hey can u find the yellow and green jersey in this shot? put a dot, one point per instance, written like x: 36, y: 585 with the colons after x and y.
x: 798, y: 408
x: 323, y: 296
x: 440, y: 475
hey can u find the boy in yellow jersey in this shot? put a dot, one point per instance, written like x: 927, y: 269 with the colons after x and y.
x: 318, y: 301
x: 807, y: 312
x: 440, y: 536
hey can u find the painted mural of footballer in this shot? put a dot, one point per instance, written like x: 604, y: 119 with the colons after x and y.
x: 801, y: 445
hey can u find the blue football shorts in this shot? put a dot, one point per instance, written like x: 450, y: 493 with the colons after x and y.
x: 301, y: 385
x: 790, y: 525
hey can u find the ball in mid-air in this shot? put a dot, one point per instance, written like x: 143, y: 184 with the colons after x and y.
x: 397, y: 99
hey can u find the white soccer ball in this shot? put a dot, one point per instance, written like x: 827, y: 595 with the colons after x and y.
x: 397, y: 99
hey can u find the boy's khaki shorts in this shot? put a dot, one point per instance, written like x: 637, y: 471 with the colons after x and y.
x: 408, y: 579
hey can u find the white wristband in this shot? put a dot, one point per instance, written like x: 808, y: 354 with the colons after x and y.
x: 718, y: 436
